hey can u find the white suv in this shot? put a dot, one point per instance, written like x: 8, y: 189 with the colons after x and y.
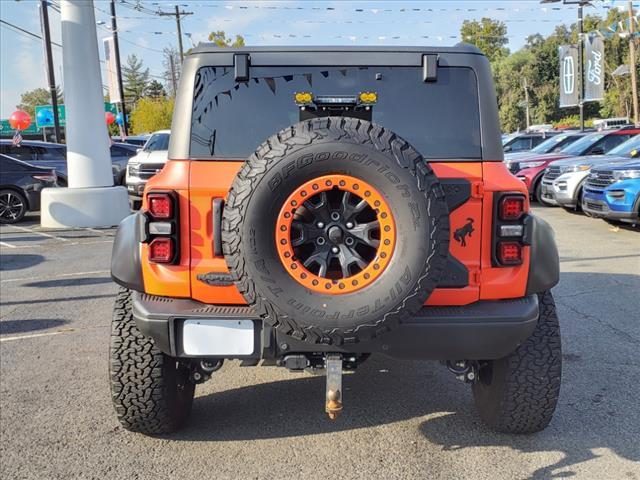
x: 149, y: 161
x: 563, y: 179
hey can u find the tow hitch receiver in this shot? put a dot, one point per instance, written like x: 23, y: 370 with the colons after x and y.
x: 333, y: 404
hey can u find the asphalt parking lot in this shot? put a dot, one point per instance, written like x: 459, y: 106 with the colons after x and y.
x: 401, y: 419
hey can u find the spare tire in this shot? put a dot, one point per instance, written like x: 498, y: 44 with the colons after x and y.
x: 335, y: 230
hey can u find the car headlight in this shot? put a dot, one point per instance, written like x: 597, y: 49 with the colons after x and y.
x: 134, y: 169
x: 626, y: 174
x: 575, y: 168
x: 524, y: 165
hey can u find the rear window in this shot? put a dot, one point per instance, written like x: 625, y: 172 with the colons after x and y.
x: 440, y: 119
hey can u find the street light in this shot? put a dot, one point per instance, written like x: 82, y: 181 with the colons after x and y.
x: 580, y: 4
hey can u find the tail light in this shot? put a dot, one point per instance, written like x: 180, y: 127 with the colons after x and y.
x: 161, y: 250
x: 163, y: 228
x: 510, y: 232
x: 160, y: 205
x: 511, y: 207
x: 510, y: 253
x: 50, y: 177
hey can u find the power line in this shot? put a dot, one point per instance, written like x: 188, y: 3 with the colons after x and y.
x: 20, y: 29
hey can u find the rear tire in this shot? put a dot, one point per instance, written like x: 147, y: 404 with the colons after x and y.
x: 151, y: 392
x: 519, y: 393
x: 13, y: 206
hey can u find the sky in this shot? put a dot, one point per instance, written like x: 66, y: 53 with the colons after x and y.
x: 307, y: 22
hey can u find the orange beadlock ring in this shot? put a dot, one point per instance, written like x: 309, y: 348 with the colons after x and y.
x: 362, y: 191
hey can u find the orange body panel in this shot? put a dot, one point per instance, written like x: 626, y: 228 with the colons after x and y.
x: 170, y: 280
x: 199, y: 182
x: 498, y: 283
x: 209, y: 180
x: 469, y: 255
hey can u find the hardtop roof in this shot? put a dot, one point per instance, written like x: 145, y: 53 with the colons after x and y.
x: 460, y: 48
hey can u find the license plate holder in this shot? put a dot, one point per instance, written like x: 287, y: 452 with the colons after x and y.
x: 215, y: 337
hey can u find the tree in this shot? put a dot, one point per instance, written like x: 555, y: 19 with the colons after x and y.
x: 151, y: 114
x: 155, y: 90
x: 220, y: 39
x: 39, y: 96
x: 135, y: 78
x: 490, y: 36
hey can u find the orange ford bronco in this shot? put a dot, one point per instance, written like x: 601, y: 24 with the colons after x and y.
x: 323, y: 204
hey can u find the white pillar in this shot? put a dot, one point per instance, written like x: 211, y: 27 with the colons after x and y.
x: 91, y: 199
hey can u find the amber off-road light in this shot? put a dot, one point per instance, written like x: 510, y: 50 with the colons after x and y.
x: 368, y: 98
x: 303, y: 98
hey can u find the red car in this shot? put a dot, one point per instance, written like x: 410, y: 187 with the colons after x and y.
x: 531, y: 169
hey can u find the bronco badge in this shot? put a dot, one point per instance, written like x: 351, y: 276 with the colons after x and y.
x: 461, y: 233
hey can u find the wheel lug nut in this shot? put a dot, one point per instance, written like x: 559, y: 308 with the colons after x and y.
x: 320, y: 225
x: 320, y: 240
x: 335, y: 249
x: 349, y: 224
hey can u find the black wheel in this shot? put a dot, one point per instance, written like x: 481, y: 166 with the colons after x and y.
x: 519, y: 393
x: 13, y: 206
x: 323, y: 230
x: 538, y: 196
x: 151, y: 391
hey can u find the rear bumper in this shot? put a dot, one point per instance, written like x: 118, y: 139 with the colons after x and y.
x: 482, y: 330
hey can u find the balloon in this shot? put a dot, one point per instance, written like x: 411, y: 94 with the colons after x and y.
x: 109, y: 117
x: 44, y: 117
x: 20, y: 120
x: 119, y: 118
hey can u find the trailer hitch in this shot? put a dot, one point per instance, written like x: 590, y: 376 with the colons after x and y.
x: 333, y: 402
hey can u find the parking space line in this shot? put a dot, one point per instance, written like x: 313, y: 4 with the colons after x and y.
x: 24, y: 229
x: 34, y: 335
x: 5, y: 244
x: 62, y: 275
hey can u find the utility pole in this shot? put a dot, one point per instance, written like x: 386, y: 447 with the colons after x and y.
x: 581, y: 65
x: 632, y: 65
x: 177, y: 14
x: 526, y: 99
x: 174, y: 82
x: 114, y: 31
x: 46, y: 38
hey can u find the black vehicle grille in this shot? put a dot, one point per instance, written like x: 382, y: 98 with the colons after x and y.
x: 148, y: 170
x: 514, y: 167
x: 552, y: 173
x: 599, y: 180
x: 598, y: 207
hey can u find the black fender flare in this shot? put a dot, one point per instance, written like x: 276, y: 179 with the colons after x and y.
x: 126, y: 268
x: 544, y: 261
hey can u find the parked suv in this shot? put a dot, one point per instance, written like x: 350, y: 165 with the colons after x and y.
x: 531, y: 169
x: 613, y: 192
x: 149, y: 160
x: 563, y: 180
x: 323, y: 204
x: 523, y: 142
x: 551, y: 145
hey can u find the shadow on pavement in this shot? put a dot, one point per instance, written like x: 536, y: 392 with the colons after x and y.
x: 19, y: 261
x: 23, y: 326
x: 69, y: 282
x: 57, y: 299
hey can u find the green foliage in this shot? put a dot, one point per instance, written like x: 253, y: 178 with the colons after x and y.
x: 151, y: 114
x: 135, y: 78
x: 490, y: 36
x: 38, y: 96
x: 538, y: 62
x: 220, y: 39
x: 155, y: 90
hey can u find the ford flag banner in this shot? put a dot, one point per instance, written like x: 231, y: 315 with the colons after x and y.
x: 569, y: 80
x: 594, y: 68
